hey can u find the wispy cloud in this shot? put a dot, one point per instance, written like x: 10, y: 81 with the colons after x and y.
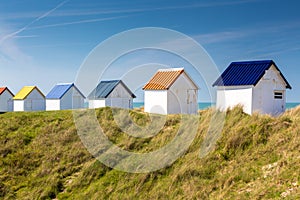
x: 91, y: 11
x: 223, y: 36
x: 150, y: 9
x: 48, y: 12
x: 78, y: 22
x: 25, y: 36
x: 9, y: 50
x: 32, y: 22
x: 247, y: 32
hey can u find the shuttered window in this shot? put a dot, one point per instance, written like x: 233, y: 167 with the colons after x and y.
x: 278, y: 95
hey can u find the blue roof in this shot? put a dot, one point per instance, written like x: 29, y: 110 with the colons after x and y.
x: 60, y: 90
x: 246, y: 73
x: 104, y: 88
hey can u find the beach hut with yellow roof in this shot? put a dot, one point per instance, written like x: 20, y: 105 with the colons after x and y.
x: 29, y: 98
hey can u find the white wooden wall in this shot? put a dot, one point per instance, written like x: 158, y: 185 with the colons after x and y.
x: 96, y: 103
x: 229, y: 97
x: 52, y: 104
x: 18, y: 105
x: 156, y: 101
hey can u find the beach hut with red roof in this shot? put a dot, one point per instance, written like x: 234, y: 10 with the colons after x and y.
x: 6, y: 100
x: 171, y: 91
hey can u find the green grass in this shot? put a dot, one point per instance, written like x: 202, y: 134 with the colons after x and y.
x: 256, y: 157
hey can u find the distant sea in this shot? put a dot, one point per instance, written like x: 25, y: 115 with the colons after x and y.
x: 291, y: 105
x: 204, y: 105
x: 201, y: 106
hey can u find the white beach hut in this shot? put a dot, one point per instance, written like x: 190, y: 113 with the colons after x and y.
x: 171, y: 91
x: 64, y: 96
x: 255, y: 85
x: 113, y: 93
x: 29, y: 98
x: 6, y: 100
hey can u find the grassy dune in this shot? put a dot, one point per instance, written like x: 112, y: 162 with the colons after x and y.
x: 257, y: 157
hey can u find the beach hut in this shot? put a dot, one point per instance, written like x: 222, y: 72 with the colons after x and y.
x: 171, y: 91
x: 29, y: 98
x: 113, y: 93
x: 64, y: 96
x: 255, y: 85
x: 6, y: 100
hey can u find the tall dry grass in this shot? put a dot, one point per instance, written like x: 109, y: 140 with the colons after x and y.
x: 256, y: 157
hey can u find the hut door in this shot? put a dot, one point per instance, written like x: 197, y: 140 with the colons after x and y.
x: 28, y: 105
x: 10, y: 105
x: 278, y: 105
x: 76, y: 102
x: 190, y: 101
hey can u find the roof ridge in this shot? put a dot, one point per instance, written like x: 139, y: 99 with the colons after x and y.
x: 253, y: 61
x: 115, y: 80
x: 65, y: 84
x: 171, y: 69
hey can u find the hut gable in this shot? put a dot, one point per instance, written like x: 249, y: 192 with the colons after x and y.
x: 3, y: 89
x: 6, y: 100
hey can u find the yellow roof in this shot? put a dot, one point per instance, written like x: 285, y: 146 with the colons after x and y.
x: 25, y: 91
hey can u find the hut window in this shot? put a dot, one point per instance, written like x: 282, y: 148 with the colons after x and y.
x: 278, y: 95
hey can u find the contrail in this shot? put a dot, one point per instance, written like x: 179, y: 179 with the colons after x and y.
x: 79, y: 22
x: 32, y: 22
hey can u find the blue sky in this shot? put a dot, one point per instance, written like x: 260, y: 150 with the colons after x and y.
x: 45, y: 42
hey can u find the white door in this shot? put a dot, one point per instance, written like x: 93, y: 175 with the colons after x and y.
x: 278, y: 102
x: 191, y: 101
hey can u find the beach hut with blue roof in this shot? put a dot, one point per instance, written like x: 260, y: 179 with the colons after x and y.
x: 112, y: 93
x: 258, y: 86
x: 64, y: 96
